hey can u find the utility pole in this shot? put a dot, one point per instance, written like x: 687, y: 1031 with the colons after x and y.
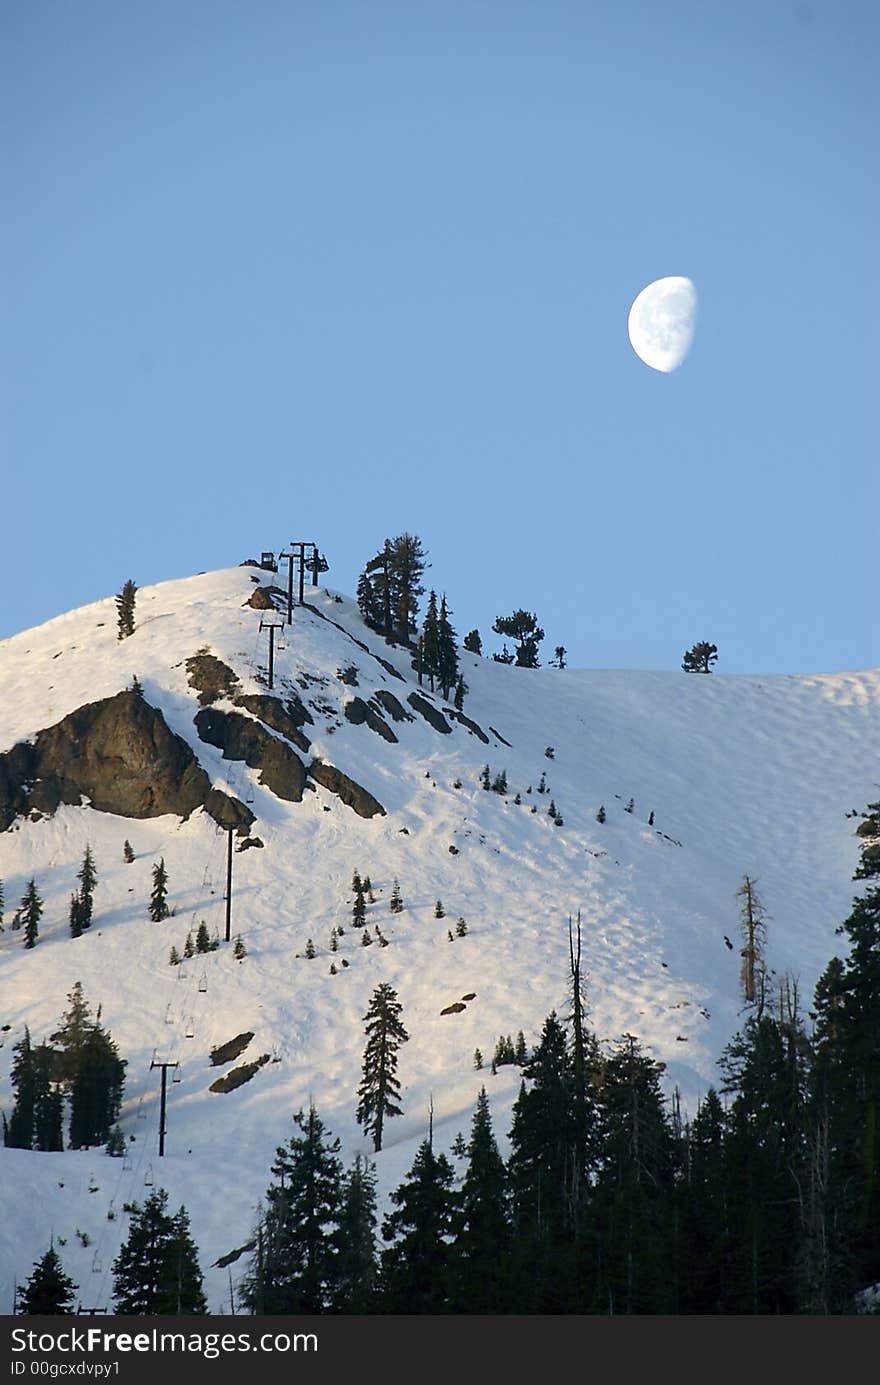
x: 271, y: 627
x: 164, y: 1067
x: 230, y: 831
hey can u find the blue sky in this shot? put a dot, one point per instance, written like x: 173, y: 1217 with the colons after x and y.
x: 334, y: 271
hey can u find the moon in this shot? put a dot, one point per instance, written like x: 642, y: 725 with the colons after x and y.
x: 661, y: 322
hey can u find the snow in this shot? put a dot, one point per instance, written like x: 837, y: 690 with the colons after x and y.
x: 743, y: 774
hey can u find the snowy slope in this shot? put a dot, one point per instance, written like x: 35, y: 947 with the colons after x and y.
x: 743, y: 775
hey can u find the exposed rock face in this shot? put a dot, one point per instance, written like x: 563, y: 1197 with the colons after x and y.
x: 263, y: 598
x: 359, y: 714
x: 284, y: 717
x: 431, y: 715
x: 242, y: 738
x: 119, y: 753
x: 352, y: 794
x: 395, y: 709
x: 211, y: 678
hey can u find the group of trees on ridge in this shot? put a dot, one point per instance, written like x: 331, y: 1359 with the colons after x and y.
x: 388, y: 593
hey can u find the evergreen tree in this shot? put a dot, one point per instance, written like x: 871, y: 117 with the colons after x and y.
x: 439, y: 911
x: 764, y: 1070
x: 415, y: 1267
x: 239, y: 951
x: 460, y: 928
x: 523, y: 627
x: 379, y: 1091
x: 159, y: 898
x: 700, y: 658
x: 72, y: 1034
x: 356, y: 1265
x: 96, y: 1090
x: 88, y: 878
x: 485, y: 781
x: 704, y: 1211
x: 846, y: 1076
x: 600, y: 816
x: 48, y: 1101
x: 188, y: 947
x: 359, y: 908
x: 203, y: 938
x: 430, y: 646
x: 504, y: 657
x: 461, y: 692
x: 18, y: 1131
x: 559, y: 656
x: 49, y: 1292
x: 633, y: 1198
x: 125, y: 603
x: 368, y: 889
x: 310, y: 949
x: 395, y: 904
x: 368, y: 603
x: 472, y: 642
x: 30, y: 912
x: 542, y: 1139
x: 127, y: 851
x: 483, y: 1238
x: 157, y: 1269
x: 296, y: 1267
x: 76, y: 924
x: 447, y: 654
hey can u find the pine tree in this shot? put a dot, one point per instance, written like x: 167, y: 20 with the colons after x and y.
x: 523, y: 627
x: 430, y: 643
x: 704, y: 1211
x: 359, y: 908
x: 700, y: 658
x: 379, y: 1091
x: 633, y: 1192
x: 439, y: 911
x: 310, y: 949
x: 125, y: 603
x: 188, y: 947
x: 159, y: 898
x: 49, y: 1292
x: 31, y: 911
x: 239, y: 951
x: 478, y: 1060
x: 600, y: 816
x: 157, y: 1269
x: 483, y: 1239
x: 366, y: 940
x: 472, y: 642
x: 504, y: 657
x: 416, y: 1275
x: 18, y: 1131
x: 460, y: 928
x: 96, y: 1090
x: 485, y: 781
x: 88, y: 878
x: 75, y: 916
x: 203, y: 938
x: 395, y: 904
x: 447, y: 654
x: 127, y: 851
x: 297, y: 1263
x: 461, y: 692
x: 368, y: 889
x: 356, y: 1265
x: 559, y: 656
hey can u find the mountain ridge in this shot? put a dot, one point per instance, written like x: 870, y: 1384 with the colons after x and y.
x: 743, y: 774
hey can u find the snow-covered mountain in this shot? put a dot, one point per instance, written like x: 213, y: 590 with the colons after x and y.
x: 347, y: 763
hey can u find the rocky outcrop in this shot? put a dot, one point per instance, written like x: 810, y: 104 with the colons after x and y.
x: 241, y: 738
x: 431, y: 715
x: 390, y: 704
x: 471, y: 726
x: 359, y: 714
x: 284, y: 717
x: 121, y: 755
x: 352, y: 794
x: 263, y: 598
x: 211, y: 678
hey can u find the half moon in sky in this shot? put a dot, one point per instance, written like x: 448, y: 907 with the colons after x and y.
x: 661, y: 322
